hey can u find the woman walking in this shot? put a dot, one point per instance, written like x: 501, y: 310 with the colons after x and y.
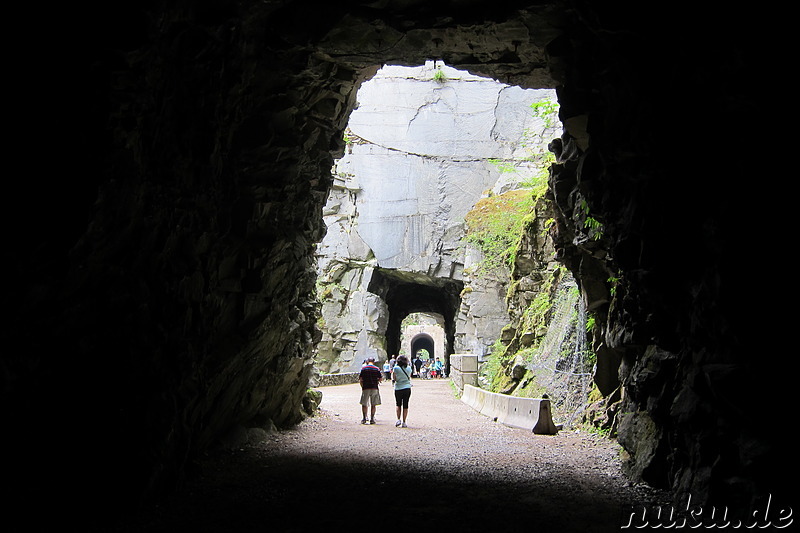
x: 401, y: 377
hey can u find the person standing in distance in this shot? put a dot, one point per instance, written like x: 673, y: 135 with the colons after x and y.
x: 387, y: 370
x: 369, y: 378
x: 401, y: 377
x: 417, y: 366
x: 438, y: 368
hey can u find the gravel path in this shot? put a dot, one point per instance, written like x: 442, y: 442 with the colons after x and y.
x: 452, y: 467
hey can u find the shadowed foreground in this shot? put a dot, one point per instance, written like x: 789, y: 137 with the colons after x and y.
x: 451, y: 467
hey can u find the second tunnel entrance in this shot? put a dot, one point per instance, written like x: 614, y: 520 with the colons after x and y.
x: 408, y: 292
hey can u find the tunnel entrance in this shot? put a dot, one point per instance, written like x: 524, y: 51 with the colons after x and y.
x: 406, y: 293
x: 422, y: 345
x: 423, y: 338
x: 210, y: 148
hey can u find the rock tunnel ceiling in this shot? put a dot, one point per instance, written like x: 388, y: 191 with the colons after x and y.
x: 164, y: 296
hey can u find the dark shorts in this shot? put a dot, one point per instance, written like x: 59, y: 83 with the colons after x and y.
x: 401, y: 397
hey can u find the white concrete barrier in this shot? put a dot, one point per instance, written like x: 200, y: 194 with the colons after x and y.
x: 525, y: 413
x: 520, y: 412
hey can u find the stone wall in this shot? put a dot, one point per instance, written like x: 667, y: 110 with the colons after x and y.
x: 329, y: 380
x: 464, y: 370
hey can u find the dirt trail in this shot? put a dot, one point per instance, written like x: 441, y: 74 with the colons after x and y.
x: 452, y: 467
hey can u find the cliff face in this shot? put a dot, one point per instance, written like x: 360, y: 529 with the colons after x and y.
x: 163, y: 291
x: 423, y: 146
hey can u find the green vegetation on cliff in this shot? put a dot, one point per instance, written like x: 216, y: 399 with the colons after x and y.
x: 497, y: 222
x: 495, y: 226
x: 544, y: 349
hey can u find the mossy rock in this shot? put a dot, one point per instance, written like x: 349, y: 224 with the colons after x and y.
x: 311, y: 401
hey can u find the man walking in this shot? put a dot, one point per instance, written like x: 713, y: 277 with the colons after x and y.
x: 417, y: 366
x: 369, y: 378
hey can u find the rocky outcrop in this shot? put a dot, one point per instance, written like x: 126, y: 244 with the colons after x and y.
x: 648, y: 227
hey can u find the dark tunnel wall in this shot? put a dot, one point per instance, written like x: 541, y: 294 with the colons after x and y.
x: 674, y: 226
x: 172, y: 161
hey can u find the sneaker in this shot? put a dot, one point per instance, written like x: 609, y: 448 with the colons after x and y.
x: 363, y: 420
x: 397, y: 424
x: 372, y: 421
x: 404, y: 425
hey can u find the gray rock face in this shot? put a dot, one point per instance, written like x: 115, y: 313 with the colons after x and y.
x: 423, y: 146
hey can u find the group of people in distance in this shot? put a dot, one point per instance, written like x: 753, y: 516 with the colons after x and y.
x: 400, y: 372
x: 420, y: 368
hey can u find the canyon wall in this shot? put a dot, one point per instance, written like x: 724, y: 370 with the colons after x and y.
x: 423, y: 145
